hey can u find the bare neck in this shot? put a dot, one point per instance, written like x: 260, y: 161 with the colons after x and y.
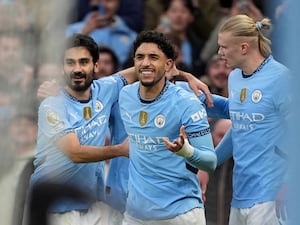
x: 79, y: 95
x: 149, y: 93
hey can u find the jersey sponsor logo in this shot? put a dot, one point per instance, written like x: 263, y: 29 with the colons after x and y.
x: 256, y: 96
x: 159, y: 121
x: 199, y: 115
x: 143, y: 118
x: 252, y: 117
x: 243, y: 95
x: 87, y: 112
x: 245, y: 121
x: 145, y: 142
x: 91, y: 129
x: 98, y: 106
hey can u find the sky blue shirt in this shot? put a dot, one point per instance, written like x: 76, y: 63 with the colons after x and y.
x: 61, y: 114
x: 117, y: 177
x: 118, y: 36
x: 258, y: 110
x: 160, y: 185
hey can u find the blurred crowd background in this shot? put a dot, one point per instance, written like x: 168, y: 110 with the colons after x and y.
x: 31, y: 35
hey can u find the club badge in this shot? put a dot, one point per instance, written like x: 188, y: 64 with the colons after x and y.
x: 98, y: 106
x: 243, y: 94
x: 143, y: 118
x: 159, y: 121
x: 87, y: 112
x: 256, y: 96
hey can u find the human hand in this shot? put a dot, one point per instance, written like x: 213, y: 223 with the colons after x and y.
x: 47, y: 88
x: 124, y: 148
x: 203, y: 177
x: 95, y: 21
x: 196, y: 85
x: 178, y: 143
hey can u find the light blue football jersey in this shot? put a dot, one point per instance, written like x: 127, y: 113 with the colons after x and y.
x: 160, y: 185
x: 258, y: 108
x: 117, y: 175
x: 89, y: 120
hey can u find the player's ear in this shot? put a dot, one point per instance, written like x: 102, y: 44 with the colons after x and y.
x: 169, y: 65
x: 244, y: 47
x: 96, y: 67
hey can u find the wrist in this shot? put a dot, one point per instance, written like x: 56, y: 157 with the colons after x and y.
x: 187, y: 150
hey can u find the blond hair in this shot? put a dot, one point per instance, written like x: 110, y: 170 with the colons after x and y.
x: 245, y: 26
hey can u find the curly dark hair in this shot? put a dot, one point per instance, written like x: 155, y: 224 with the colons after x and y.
x: 152, y: 36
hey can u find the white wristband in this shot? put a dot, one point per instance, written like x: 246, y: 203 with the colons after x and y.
x: 187, y: 150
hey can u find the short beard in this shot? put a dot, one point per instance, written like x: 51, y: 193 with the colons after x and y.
x: 152, y: 83
x: 79, y: 87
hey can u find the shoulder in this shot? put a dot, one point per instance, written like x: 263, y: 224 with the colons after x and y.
x: 183, y: 95
x: 129, y: 88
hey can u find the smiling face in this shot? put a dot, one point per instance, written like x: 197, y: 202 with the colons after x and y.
x: 150, y: 64
x: 79, y: 69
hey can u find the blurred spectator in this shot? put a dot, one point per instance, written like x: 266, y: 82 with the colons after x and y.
x: 131, y: 11
x: 219, y: 189
x: 17, y: 16
x: 216, y: 76
x: 177, y: 46
x: 47, y: 71
x: 177, y: 19
x: 205, y: 12
x: 106, y: 28
x: 15, y: 74
x: 108, y: 62
x: 22, y: 134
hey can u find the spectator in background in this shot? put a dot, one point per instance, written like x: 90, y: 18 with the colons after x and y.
x: 108, y: 62
x: 48, y: 71
x: 216, y: 76
x: 106, y: 28
x: 205, y: 15
x: 177, y: 19
x: 15, y: 74
x: 22, y: 134
x: 131, y: 11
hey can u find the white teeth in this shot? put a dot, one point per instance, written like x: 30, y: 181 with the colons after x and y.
x: 146, y: 72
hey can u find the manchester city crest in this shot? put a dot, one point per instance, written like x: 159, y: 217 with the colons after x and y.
x: 159, y: 121
x: 256, y: 96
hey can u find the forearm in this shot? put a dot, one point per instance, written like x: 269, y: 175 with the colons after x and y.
x: 94, y: 153
x: 78, y: 153
x: 224, y: 149
x: 204, y: 156
x: 129, y: 74
x: 220, y: 108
